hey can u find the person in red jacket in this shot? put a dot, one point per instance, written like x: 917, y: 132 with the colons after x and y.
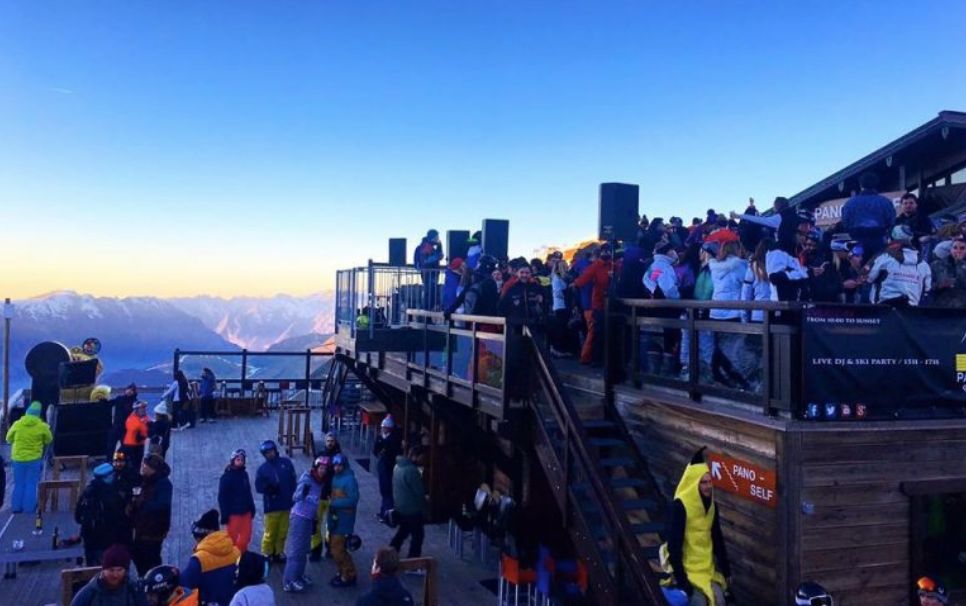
x: 598, y: 274
x: 136, y: 433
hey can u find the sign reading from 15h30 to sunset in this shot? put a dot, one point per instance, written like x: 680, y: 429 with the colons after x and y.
x: 744, y: 479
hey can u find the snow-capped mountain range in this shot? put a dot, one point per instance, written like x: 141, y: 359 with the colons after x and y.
x: 143, y: 332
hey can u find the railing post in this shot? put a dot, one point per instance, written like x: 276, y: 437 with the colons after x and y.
x: 371, y: 298
x: 767, y: 363
x: 177, y: 361
x: 244, y: 372
x: 694, y: 357
x: 635, y: 349
x: 308, y: 374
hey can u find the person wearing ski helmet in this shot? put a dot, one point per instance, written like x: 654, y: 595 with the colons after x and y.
x: 812, y: 594
x: 302, y: 518
x: 388, y: 446
x: 342, y: 519
x: 320, y: 538
x: 931, y: 592
x: 162, y: 587
x: 235, y: 500
x: 275, y: 480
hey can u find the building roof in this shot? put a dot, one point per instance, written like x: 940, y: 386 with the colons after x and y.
x: 926, y: 153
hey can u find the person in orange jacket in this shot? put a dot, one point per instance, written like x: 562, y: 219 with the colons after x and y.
x: 597, y: 274
x: 136, y: 433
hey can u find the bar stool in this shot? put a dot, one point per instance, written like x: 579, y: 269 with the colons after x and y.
x: 512, y: 574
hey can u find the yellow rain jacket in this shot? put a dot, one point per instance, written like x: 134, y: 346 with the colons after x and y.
x: 698, y: 554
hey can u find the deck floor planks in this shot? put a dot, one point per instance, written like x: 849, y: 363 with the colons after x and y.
x: 198, y: 457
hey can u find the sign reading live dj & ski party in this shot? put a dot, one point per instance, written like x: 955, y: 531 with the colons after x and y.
x: 744, y: 479
x: 868, y: 362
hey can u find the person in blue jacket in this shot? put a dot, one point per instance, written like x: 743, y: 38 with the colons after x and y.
x: 869, y: 216
x: 342, y: 519
x: 235, y: 501
x: 275, y: 481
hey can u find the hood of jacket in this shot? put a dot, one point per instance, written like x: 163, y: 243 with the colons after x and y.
x: 216, y: 551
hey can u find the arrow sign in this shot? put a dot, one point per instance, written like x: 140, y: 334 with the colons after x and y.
x: 716, y: 470
x: 744, y: 479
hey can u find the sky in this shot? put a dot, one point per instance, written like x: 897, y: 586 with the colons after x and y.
x: 230, y: 148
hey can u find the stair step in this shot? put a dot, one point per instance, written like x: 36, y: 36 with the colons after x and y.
x: 627, y: 483
x: 647, y: 528
x: 617, y: 462
x: 606, y: 442
x: 597, y: 424
x: 632, y: 504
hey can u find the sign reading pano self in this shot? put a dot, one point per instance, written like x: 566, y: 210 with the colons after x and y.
x: 744, y: 479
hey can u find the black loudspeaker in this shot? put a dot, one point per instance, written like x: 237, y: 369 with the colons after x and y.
x: 81, y: 429
x: 397, y: 251
x: 618, y: 212
x: 496, y: 237
x: 74, y: 374
x: 456, y: 243
x: 43, y: 364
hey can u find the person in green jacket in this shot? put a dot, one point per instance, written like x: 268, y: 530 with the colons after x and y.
x: 28, y: 438
x: 409, y: 495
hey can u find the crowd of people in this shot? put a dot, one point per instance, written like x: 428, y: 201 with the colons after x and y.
x: 877, y: 254
x: 125, y: 517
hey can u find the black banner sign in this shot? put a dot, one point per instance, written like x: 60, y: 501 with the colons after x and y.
x: 883, y: 362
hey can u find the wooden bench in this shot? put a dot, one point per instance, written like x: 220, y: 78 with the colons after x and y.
x: 72, y: 580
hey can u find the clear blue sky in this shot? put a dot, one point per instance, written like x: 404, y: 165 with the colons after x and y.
x: 253, y: 147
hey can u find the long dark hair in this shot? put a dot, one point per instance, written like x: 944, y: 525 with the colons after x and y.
x: 182, y: 385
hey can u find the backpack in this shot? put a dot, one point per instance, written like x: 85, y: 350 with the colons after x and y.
x: 90, y: 510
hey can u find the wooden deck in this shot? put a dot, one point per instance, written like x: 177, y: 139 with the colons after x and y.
x: 197, y: 458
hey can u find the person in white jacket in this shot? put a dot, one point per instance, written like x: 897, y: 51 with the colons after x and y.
x: 899, y: 275
x: 663, y: 283
x: 727, y: 274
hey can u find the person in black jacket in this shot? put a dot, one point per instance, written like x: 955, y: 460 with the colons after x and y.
x: 909, y: 215
x: 121, y: 409
x: 386, y: 588
x: 482, y: 296
x: 151, y: 513
x: 388, y: 446
x: 235, y: 500
x: 523, y: 302
x: 98, y: 512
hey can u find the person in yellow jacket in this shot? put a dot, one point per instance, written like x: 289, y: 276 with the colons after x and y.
x: 695, y: 552
x: 28, y: 438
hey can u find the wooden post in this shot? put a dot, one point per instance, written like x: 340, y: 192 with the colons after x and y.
x: 7, y: 315
x: 177, y: 361
x: 308, y: 373
x: 433, y: 460
x: 244, y: 373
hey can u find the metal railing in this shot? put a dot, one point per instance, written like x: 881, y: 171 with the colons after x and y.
x: 463, y: 357
x: 779, y: 333
x: 382, y: 294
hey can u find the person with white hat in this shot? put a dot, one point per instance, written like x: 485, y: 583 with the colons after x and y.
x: 159, y: 430
x: 388, y: 446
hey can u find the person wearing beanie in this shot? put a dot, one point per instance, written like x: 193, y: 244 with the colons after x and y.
x: 426, y: 258
x: 275, y: 480
x: 28, y: 437
x: 159, y: 430
x: 100, y: 514
x: 136, y: 432
x: 112, y: 586
x: 388, y: 446
x: 474, y: 250
x: 386, y: 588
x: 342, y: 519
x: 211, y: 568
x: 235, y: 500
x: 302, y: 518
x: 251, y: 588
x: 151, y: 513
x: 695, y: 546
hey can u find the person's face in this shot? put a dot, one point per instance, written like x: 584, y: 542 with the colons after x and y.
x: 146, y: 470
x: 270, y: 454
x: 958, y: 250
x: 855, y: 261
x: 141, y: 411
x: 809, y: 244
x: 928, y: 600
x: 338, y: 468
x: 497, y: 275
x: 129, y: 392
x: 804, y: 228
x: 524, y: 274
x: 908, y: 206
x: 329, y: 442
x: 113, y: 576
x: 238, y: 462
x: 704, y: 486
x: 118, y: 464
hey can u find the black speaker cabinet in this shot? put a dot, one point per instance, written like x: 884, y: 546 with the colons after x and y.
x: 73, y: 374
x: 496, y: 237
x: 456, y: 243
x: 397, y: 251
x: 618, y: 212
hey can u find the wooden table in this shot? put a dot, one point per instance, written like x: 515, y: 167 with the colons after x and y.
x: 20, y: 526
